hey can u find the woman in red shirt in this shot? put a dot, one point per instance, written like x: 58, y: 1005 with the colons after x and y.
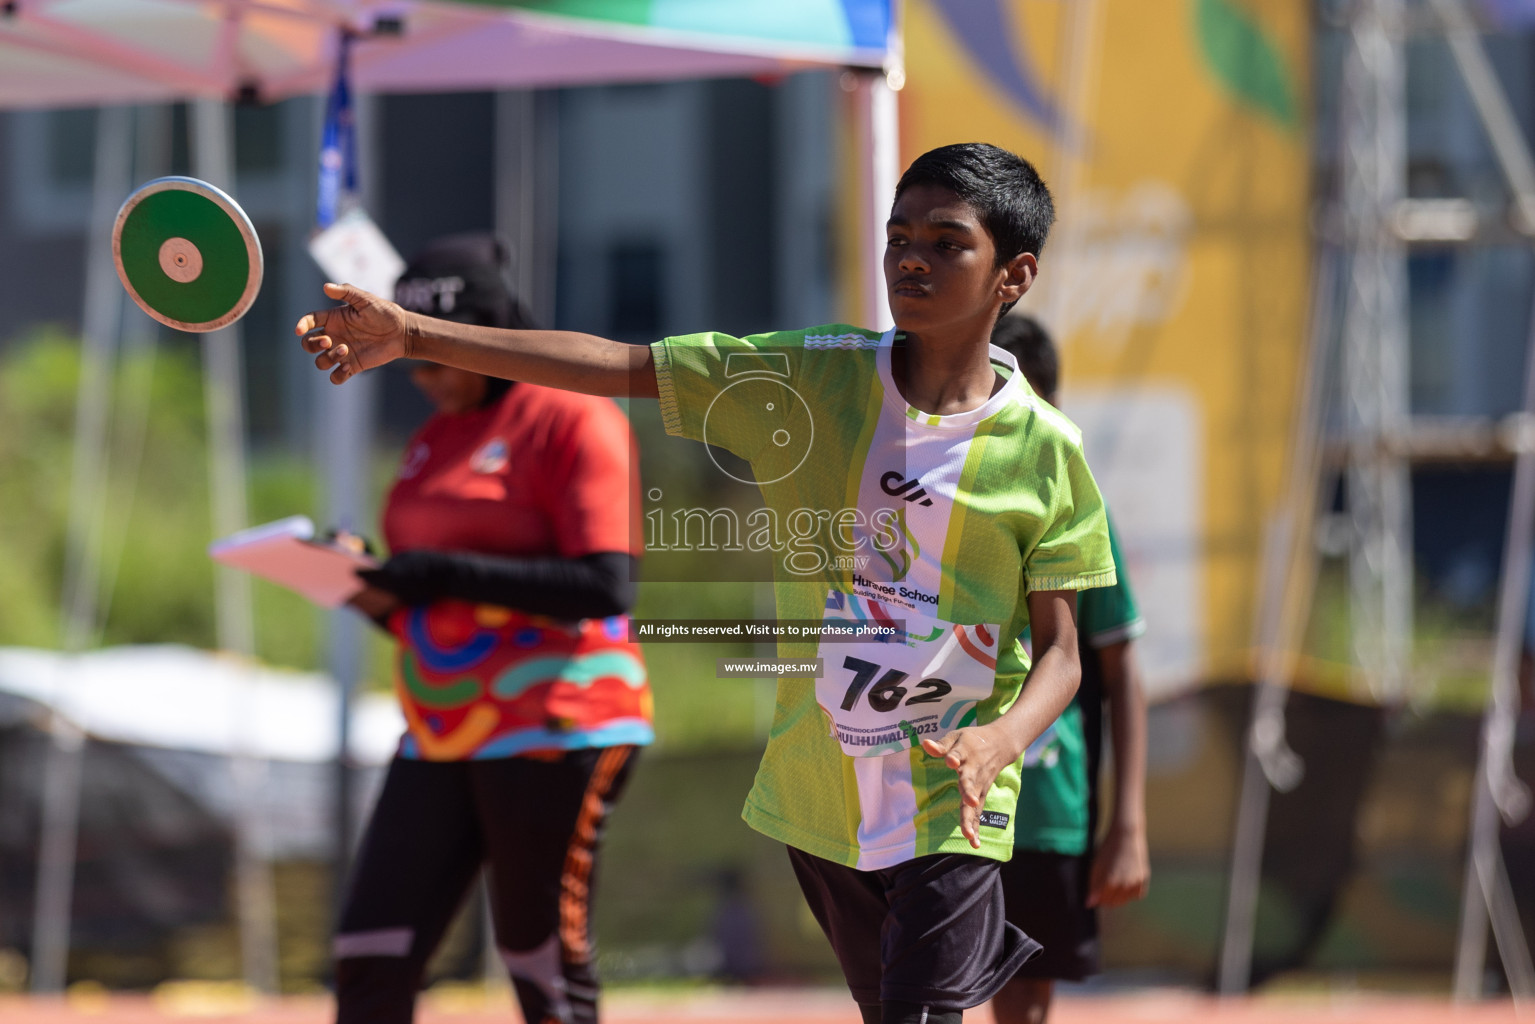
x: 513, y: 528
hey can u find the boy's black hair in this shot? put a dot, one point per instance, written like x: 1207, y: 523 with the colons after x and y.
x: 1030, y: 344
x: 1006, y: 191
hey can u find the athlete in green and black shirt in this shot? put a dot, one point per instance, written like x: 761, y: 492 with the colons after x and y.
x: 953, y: 509
x: 1057, y: 879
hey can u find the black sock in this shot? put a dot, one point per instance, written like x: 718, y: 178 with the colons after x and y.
x: 914, y: 1013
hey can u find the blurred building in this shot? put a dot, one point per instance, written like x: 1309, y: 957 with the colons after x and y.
x: 675, y: 207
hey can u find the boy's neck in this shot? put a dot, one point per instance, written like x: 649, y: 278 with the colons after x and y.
x: 945, y: 377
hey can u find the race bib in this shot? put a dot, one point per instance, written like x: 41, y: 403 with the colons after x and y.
x: 882, y: 696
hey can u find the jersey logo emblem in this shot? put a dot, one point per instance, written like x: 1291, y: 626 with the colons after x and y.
x: 895, y: 485
x: 994, y: 819
x: 414, y: 460
x: 491, y: 458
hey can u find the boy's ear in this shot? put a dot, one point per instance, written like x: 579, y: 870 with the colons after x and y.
x: 1018, y: 276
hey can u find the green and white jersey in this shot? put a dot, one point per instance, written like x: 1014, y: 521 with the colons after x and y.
x: 928, y: 530
x: 1056, y: 784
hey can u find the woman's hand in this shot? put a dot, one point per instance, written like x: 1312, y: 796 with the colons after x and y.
x: 365, y: 332
x: 346, y: 540
x: 375, y: 603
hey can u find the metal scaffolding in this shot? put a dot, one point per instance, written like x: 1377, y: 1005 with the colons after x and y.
x: 1378, y: 220
x: 1375, y: 382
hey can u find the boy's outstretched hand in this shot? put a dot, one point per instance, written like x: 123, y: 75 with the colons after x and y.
x: 365, y: 332
x: 977, y: 753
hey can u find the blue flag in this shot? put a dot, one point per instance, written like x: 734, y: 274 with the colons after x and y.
x: 338, y: 144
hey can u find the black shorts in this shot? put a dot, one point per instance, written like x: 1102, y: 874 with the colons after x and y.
x: 1046, y: 896
x: 930, y: 931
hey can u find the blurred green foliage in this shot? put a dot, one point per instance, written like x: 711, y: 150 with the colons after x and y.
x: 157, y: 580
x: 1451, y: 648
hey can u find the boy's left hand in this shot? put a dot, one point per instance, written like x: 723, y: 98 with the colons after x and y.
x: 977, y: 753
x: 1121, y: 869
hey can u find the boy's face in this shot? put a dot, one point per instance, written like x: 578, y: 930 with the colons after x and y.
x: 941, y: 268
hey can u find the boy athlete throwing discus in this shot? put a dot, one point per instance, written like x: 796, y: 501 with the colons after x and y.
x: 928, y: 492
x: 1057, y: 879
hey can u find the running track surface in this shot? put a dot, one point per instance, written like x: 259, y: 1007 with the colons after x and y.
x: 802, y: 1007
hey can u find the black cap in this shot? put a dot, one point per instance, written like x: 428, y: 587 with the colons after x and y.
x: 462, y: 278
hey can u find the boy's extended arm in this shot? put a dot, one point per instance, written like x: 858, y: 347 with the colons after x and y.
x: 979, y: 753
x: 368, y: 331
x: 1122, y: 866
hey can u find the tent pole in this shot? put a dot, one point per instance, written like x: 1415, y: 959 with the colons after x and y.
x: 138, y: 352
x: 59, y: 826
x: 345, y: 417
x: 516, y: 183
x: 526, y: 179
x: 223, y: 386
x: 1080, y: 37
x: 526, y: 226
x: 344, y: 423
x: 877, y: 129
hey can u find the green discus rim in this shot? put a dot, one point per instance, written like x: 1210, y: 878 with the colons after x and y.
x: 187, y: 254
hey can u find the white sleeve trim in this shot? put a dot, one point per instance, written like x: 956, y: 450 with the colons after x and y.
x: 666, y: 388
x: 1118, y: 634
x: 1076, y: 581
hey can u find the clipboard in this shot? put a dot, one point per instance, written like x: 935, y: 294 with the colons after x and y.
x: 286, y: 553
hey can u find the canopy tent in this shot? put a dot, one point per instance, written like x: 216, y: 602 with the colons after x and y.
x: 166, y: 733
x: 179, y: 698
x: 89, y: 52
x: 56, y: 53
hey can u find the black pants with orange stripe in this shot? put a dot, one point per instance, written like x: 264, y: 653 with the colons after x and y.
x: 535, y: 823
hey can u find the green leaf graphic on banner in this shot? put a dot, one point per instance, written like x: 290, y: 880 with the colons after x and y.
x: 631, y: 12
x: 1245, y: 60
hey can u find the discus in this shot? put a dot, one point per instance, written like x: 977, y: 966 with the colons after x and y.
x: 187, y: 254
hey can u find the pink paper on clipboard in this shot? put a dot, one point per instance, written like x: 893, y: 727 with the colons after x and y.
x: 286, y: 553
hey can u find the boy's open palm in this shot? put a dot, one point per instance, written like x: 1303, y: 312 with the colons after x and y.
x: 977, y: 754
x: 365, y: 332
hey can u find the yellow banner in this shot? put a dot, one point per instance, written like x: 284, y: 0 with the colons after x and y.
x: 1173, y: 136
